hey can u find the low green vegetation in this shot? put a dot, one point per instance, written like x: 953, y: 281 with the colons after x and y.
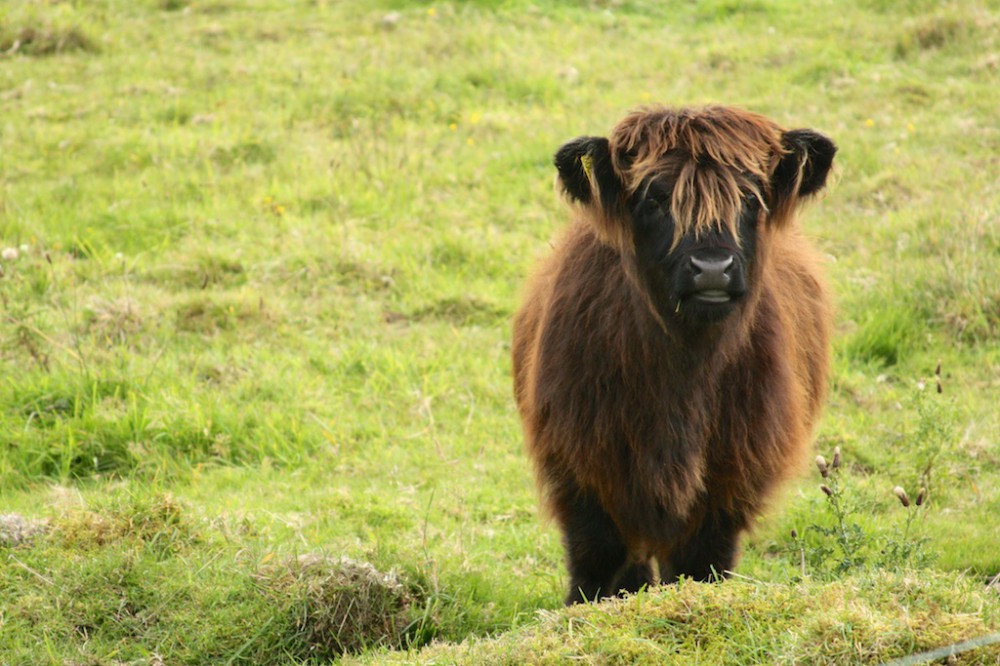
x: 744, y: 622
x: 259, y: 261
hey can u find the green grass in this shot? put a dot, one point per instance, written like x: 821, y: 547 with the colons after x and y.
x: 272, y: 250
x: 744, y: 622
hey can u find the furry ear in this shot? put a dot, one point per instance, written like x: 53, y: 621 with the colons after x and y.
x: 585, y: 171
x: 802, y: 171
x: 588, y: 177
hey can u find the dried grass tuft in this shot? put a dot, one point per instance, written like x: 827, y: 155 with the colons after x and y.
x: 114, y: 320
x: 344, y: 606
x: 44, y: 40
x: 16, y: 530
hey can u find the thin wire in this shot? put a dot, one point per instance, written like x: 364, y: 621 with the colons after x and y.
x: 945, y: 651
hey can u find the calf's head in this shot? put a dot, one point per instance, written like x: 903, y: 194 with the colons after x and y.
x: 689, y: 197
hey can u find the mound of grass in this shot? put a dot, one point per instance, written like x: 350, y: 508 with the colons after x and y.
x: 136, y: 574
x: 343, y: 606
x: 158, y: 523
x: 859, y: 620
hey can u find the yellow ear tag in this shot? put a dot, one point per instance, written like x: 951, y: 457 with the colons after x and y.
x: 588, y: 165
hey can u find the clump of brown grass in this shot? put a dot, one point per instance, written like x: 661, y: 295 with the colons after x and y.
x: 44, y: 40
x: 114, y: 320
x: 343, y: 606
x: 930, y: 33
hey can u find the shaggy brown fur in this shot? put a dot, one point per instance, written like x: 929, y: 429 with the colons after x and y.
x: 659, y: 416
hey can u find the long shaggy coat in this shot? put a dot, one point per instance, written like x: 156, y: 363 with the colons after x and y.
x: 671, y: 355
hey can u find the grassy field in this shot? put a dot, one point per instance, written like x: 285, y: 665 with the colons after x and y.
x: 259, y: 264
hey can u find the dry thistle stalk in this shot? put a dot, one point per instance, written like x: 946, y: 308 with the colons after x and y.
x: 904, y: 499
x: 821, y: 465
x: 921, y: 496
x: 826, y: 490
x: 836, y: 458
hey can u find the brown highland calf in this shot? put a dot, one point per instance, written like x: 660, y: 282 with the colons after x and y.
x: 671, y: 357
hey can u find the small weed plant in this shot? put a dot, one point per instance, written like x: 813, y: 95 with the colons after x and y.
x: 845, y: 538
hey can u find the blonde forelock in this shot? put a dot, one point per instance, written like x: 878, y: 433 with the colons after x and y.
x: 712, y: 157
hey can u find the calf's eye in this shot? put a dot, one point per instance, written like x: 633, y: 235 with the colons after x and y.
x: 656, y: 205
